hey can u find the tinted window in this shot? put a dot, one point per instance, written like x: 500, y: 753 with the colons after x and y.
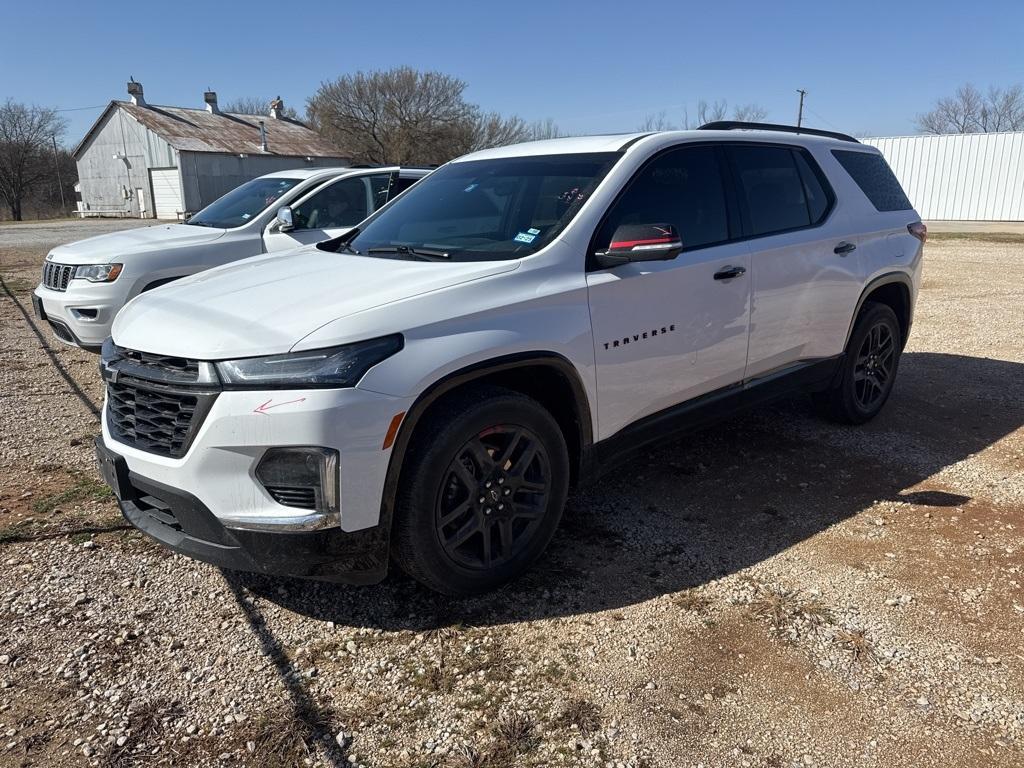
x: 771, y: 185
x: 875, y: 179
x: 341, y: 204
x: 682, y: 187
x: 239, y: 205
x: 479, y: 210
x: 817, y: 198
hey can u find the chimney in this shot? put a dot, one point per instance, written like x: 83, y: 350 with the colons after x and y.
x: 135, y: 91
x: 277, y: 108
x: 263, y: 136
x: 210, y: 97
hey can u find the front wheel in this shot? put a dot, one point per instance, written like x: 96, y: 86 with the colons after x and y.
x: 869, y: 368
x: 482, y: 491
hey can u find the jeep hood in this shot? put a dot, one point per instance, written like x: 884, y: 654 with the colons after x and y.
x: 265, y: 305
x: 116, y: 246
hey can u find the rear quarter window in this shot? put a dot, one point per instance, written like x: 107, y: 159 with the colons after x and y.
x: 875, y: 179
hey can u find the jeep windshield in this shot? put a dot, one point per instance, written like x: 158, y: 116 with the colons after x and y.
x: 241, y: 204
x: 483, y: 210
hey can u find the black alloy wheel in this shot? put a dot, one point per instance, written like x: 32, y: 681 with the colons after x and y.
x: 483, y: 485
x: 493, y: 497
x: 874, y: 367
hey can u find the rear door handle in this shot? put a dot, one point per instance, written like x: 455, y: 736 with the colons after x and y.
x: 728, y: 273
x: 844, y: 248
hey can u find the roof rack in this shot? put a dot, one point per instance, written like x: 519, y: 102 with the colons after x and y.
x: 738, y: 125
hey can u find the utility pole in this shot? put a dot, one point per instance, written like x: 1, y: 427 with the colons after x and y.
x: 800, y: 113
x: 60, y: 184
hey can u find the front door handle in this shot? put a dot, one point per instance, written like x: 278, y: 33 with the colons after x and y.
x: 844, y: 248
x: 728, y: 273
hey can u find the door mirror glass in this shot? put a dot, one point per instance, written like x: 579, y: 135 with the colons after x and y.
x: 641, y: 242
x: 285, y: 221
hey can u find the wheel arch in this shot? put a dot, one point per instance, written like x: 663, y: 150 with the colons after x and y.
x: 894, y: 289
x: 548, y: 377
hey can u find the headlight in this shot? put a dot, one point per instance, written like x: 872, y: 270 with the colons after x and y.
x: 98, y: 273
x: 332, y: 367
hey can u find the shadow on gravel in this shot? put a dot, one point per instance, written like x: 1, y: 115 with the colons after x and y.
x: 309, y: 721
x: 715, y: 502
x: 62, y: 371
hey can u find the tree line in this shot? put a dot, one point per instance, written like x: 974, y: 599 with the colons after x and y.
x: 405, y: 116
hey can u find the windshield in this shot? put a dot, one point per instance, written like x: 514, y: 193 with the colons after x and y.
x: 241, y: 204
x: 485, y: 210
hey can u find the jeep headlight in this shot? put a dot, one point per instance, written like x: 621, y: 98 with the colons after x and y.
x: 98, y: 273
x: 332, y: 367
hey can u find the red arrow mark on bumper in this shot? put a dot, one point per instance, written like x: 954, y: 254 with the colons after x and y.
x: 264, y: 407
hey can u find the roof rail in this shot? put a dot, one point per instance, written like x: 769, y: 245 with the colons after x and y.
x: 738, y: 125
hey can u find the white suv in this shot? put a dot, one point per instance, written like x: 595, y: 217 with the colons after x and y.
x: 85, y: 283
x: 430, y: 386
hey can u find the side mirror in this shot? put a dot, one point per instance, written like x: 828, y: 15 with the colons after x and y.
x: 285, y: 220
x: 641, y: 242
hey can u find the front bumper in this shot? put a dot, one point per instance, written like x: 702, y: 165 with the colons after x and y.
x: 181, y: 522
x: 81, y: 315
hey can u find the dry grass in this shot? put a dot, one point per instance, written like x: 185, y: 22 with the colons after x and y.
x: 856, y: 641
x: 583, y: 714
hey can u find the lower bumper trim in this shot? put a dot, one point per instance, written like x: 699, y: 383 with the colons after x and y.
x: 181, y: 522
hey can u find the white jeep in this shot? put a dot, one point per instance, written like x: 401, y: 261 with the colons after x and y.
x: 429, y: 386
x: 85, y: 283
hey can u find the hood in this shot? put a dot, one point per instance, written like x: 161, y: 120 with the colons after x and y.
x: 115, y: 246
x: 267, y: 304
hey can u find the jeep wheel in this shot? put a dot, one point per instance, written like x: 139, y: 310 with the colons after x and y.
x: 869, y: 368
x: 482, y: 491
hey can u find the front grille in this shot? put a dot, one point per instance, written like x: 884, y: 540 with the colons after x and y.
x: 160, y: 367
x: 155, y: 420
x: 57, y: 276
x: 303, y: 498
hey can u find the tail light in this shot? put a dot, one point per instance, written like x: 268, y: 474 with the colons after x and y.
x: 918, y: 230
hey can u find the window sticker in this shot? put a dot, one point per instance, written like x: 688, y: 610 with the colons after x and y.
x: 533, y: 231
x: 524, y: 237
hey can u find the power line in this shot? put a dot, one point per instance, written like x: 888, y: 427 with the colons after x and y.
x: 80, y: 109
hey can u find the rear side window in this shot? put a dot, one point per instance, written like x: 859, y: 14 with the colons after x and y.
x: 770, y: 184
x: 818, y: 199
x: 682, y: 187
x: 875, y: 178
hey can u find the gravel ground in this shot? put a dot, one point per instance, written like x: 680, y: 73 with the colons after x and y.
x: 48, y: 233
x: 776, y: 591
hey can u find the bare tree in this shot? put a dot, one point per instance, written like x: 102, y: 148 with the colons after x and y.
x: 545, y: 129
x: 254, y: 105
x: 707, y: 112
x: 750, y: 113
x: 711, y: 113
x: 971, y: 111
x: 403, y: 115
x: 656, y: 122
x: 26, y: 161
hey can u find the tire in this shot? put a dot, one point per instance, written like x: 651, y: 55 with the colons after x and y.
x: 869, y: 368
x: 467, y: 521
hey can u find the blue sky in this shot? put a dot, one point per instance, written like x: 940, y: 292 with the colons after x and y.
x: 593, y: 67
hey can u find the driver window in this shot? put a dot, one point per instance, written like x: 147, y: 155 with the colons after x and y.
x: 681, y: 187
x: 341, y: 204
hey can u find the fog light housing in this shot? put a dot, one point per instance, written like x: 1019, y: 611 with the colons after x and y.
x: 304, y: 478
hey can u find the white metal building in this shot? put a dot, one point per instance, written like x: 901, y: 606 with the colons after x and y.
x: 150, y: 161
x: 960, y: 177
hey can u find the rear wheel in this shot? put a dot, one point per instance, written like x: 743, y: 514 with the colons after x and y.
x: 869, y: 368
x: 482, y: 491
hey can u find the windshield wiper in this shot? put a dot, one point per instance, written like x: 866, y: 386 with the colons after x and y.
x: 426, y: 254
